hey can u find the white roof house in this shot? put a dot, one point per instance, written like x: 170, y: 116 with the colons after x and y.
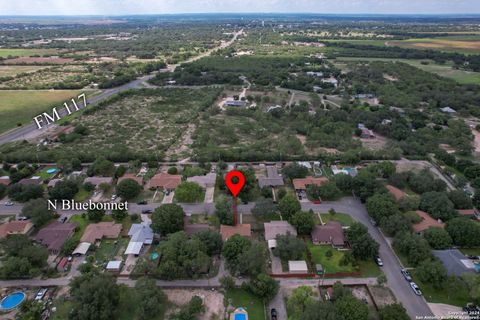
x: 297, y: 266
x: 114, y: 265
x: 140, y: 234
x: 305, y: 164
x: 275, y: 228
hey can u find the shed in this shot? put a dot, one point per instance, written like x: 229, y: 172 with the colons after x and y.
x: 297, y: 266
x: 81, y: 249
x: 114, y: 266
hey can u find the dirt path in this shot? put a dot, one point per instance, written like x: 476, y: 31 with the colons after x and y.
x: 183, y: 145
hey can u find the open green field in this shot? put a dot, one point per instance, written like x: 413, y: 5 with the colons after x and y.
x: 332, y: 264
x: 20, y: 106
x: 343, y: 218
x: 445, y: 70
x: 369, y: 42
x: 241, y: 298
x: 459, y: 297
x: 13, y: 70
x: 25, y: 52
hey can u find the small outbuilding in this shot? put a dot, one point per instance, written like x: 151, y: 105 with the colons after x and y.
x: 297, y: 266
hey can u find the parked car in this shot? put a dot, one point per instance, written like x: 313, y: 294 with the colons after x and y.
x: 64, y: 219
x: 378, y: 261
x: 142, y: 202
x: 472, y: 257
x: 415, y: 288
x: 114, y: 196
x: 40, y: 294
x: 9, y: 203
x: 147, y: 211
x: 70, y: 258
x: 406, y: 275
x: 273, y: 314
x: 471, y: 309
x: 22, y: 218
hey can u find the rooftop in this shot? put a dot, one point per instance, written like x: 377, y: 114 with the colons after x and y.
x: 15, y: 227
x: 165, y: 181
x: 274, y: 228
x: 132, y: 176
x: 191, y: 229
x: 397, y: 193
x: 96, y: 231
x: 241, y: 229
x: 273, y: 179
x: 331, y: 232
x: 301, y: 184
x: 205, y: 181
x: 55, y: 234
x: 427, y: 222
x: 98, y: 180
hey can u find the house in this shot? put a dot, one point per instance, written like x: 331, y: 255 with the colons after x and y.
x: 140, y: 234
x: 329, y: 233
x: 81, y: 249
x: 164, y: 181
x: 54, y: 235
x: 33, y: 181
x: 301, y: 184
x: 470, y: 213
x: 5, y: 180
x: 114, y: 266
x: 132, y: 176
x: 333, y: 81
x: 62, y: 265
x: 241, y: 229
x: 193, y: 229
x: 426, y: 222
x: 15, y: 227
x: 235, y: 103
x: 448, y: 110
x: 455, y: 262
x: 297, y: 266
x: 397, y: 193
x: 366, y: 133
x: 305, y: 164
x: 206, y: 181
x: 97, y: 231
x: 275, y: 228
x: 52, y: 183
x: 96, y: 181
x: 273, y: 179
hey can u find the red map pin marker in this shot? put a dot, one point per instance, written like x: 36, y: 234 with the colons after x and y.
x: 235, y: 188
x: 232, y: 186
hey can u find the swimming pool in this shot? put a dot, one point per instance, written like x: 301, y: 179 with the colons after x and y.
x: 240, y: 316
x: 52, y: 170
x: 12, y: 300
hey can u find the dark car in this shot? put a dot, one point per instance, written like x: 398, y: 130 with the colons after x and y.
x: 273, y: 314
x: 406, y: 275
x: 142, y: 202
x: 147, y: 211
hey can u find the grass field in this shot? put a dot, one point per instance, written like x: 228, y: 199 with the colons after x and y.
x: 343, y: 218
x: 25, y: 52
x: 20, y: 106
x: 10, y: 71
x: 445, y: 70
x: 451, y: 44
x: 332, y: 264
x: 253, y: 305
x: 458, y: 298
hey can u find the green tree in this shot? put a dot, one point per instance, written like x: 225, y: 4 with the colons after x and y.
x: 351, y: 308
x: 119, y: 215
x: 168, y: 218
x: 363, y: 245
x: 189, y: 192
x: 460, y: 200
x: 150, y: 299
x: 224, y: 210
x: 464, y: 232
x: 23, y: 193
x: 128, y: 189
x: 437, y: 205
x: 212, y: 241
x: 289, y: 247
x: 95, y: 215
x: 264, y: 208
x: 288, y: 206
x: 233, y: 248
x: 438, y: 238
x: 382, y: 205
x: 344, y: 182
x: 31, y: 310
x: 101, y: 167
x: 432, y: 272
x: 395, y: 223
x: 37, y: 210
x: 294, y: 171
x: 252, y: 261
x: 264, y: 287
x: 299, y: 300
x: 393, y: 312
x: 94, y: 298
x: 66, y: 189
x: 303, y: 221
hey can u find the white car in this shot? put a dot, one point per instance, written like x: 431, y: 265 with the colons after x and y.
x: 9, y: 203
x: 415, y: 288
x: 114, y: 196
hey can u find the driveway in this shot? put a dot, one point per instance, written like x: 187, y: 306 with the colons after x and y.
x: 415, y: 305
x: 209, y: 194
x: 168, y: 198
x: 278, y: 303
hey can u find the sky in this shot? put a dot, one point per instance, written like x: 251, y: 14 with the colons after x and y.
x: 126, y: 7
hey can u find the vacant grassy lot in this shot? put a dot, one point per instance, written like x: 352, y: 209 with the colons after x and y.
x: 455, y: 44
x: 330, y: 264
x: 241, y: 298
x: 19, y: 107
x: 25, y: 52
x: 458, y: 297
x: 10, y: 71
x: 343, y: 218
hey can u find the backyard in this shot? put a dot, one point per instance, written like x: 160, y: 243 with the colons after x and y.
x: 330, y: 264
x: 343, y: 218
x: 241, y: 298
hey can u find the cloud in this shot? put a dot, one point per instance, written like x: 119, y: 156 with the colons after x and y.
x: 123, y: 7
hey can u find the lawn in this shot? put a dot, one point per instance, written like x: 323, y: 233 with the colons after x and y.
x: 332, y: 264
x: 20, y: 106
x: 44, y: 174
x: 343, y: 218
x: 10, y: 71
x: 82, y: 195
x: 449, y: 44
x: 63, y: 309
x: 241, y: 298
x: 109, y: 248
x: 25, y: 52
x: 458, y: 298
x: 369, y: 269
x: 471, y: 251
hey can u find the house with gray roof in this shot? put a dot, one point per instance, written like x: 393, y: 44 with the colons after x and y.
x: 272, y: 179
x: 205, y: 181
x: 140, y: 234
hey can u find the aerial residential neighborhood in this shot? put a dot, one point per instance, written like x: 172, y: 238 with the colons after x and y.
x: 273, y: 160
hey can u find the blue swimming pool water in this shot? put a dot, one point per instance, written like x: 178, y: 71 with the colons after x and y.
x: 240, y: 316
x: 13, y: 300
x: 52, y: 170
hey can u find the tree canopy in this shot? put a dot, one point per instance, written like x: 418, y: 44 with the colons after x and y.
x: 168, y: 218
